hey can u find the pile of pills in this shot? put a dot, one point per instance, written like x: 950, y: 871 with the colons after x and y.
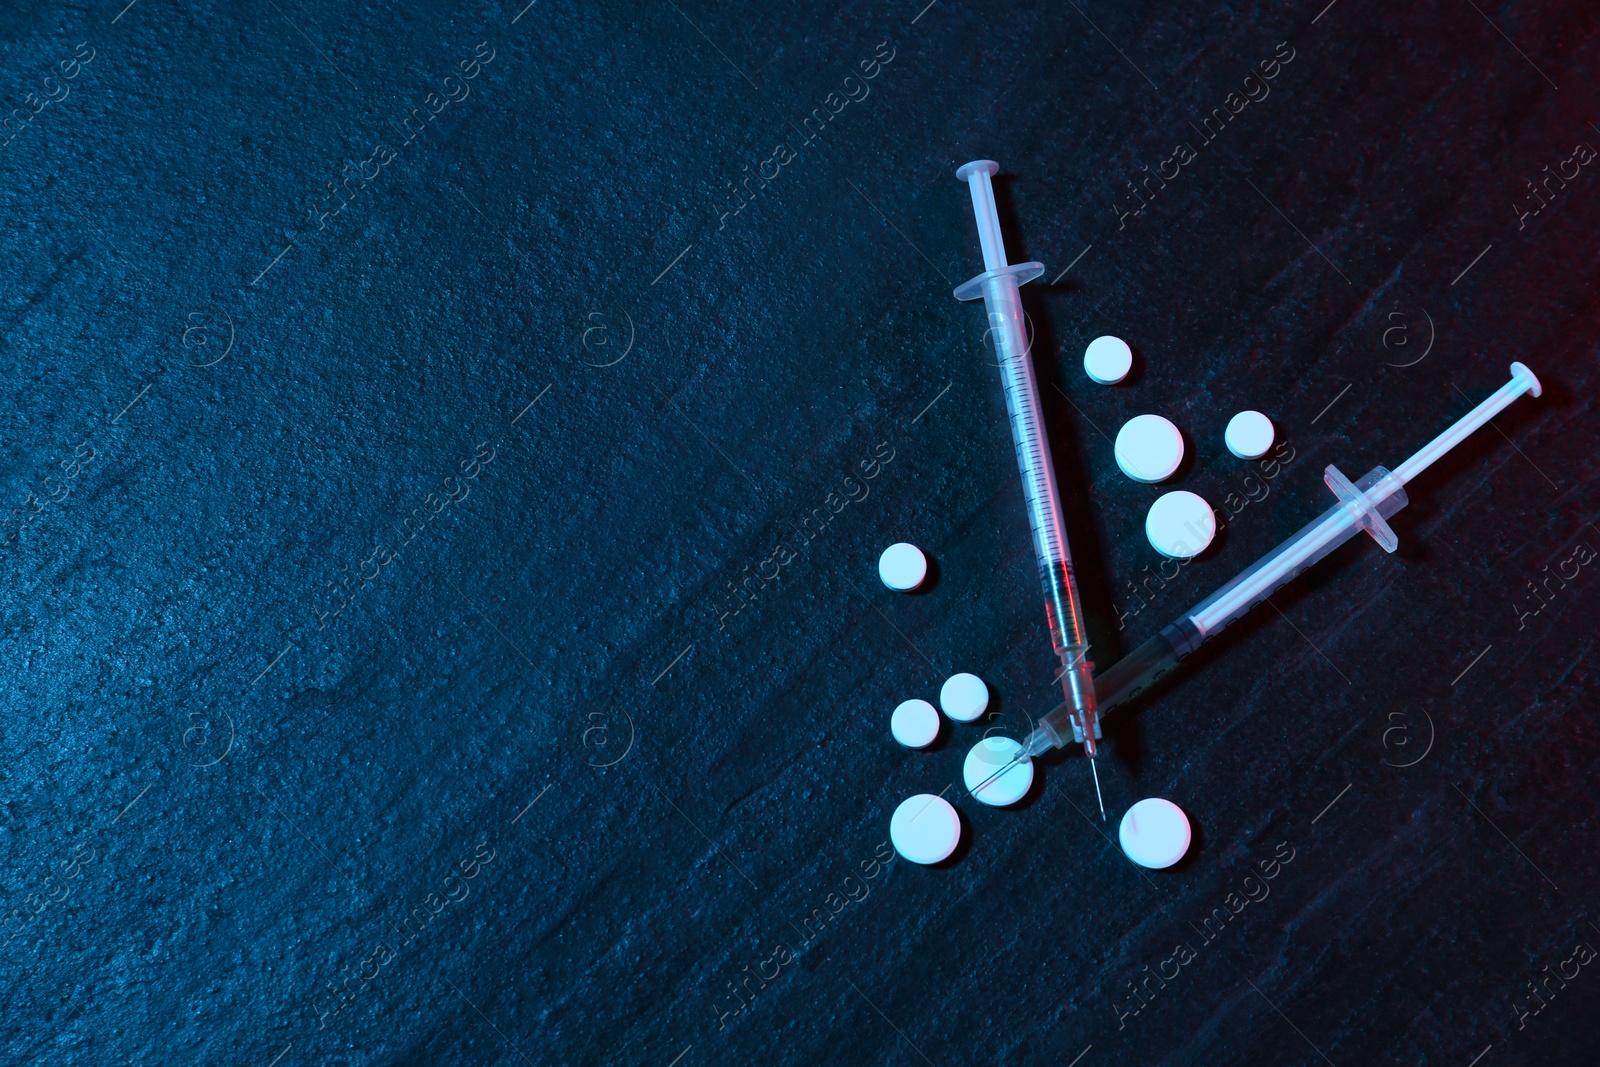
x: 1150, y: 449
x: 926, y: 828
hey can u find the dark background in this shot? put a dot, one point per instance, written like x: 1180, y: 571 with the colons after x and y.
x: 221, y: 801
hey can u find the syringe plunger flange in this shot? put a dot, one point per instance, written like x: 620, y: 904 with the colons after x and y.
x: 1371, y: 500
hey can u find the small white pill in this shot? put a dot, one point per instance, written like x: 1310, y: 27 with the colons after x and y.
x: 964, y: 697
x: 925, y: 828
x: 902, y: 567
x: 1155, y: 833
x: 1180, y: 524
x: 1108, y: 359
x: 1249, y: 435
x: 914, y: 724
x: 1148, y: 448
x: 988, y: 756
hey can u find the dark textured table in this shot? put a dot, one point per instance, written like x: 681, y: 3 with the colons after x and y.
x: 448, y: 449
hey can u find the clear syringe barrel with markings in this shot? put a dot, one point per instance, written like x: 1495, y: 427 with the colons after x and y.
x: 998, y: 285
x: 1364, y: 505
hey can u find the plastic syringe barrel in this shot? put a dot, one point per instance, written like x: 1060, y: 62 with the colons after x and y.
x: 1140, y: 669
x: 1039, y: 492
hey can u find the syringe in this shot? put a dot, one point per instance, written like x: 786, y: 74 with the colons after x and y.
x: 1364, y: 505
x: 998, y: 286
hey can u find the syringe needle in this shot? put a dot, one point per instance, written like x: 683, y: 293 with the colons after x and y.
x: 1097, y: 795
x: 1016, y: 760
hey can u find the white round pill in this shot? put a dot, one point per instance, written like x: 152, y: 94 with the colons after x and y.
x: 1155, y: 833
x: 914, y: 724
x: 902, y: 567
x: 1180, y: 524
x: 1108, y: 359
x: 925, y: 828
x: 964, y: 697
x: 988, y: 756
x: 1249, y: 435
x: 1148, y: 448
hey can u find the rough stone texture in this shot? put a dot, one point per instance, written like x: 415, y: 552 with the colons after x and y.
x: 220, y: 802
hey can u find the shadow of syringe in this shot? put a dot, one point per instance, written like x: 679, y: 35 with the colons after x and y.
x: 1363, y: 505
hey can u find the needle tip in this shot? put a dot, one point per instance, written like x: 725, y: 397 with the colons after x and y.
x: 1095, y: 771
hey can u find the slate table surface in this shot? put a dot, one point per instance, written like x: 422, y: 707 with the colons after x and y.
x: 447, y: 450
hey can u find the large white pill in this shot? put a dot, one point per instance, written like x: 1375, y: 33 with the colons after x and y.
x: 1148, y: 448
x: 914, y: 724
x: 902, y: 567
x: 988, y: 756
x: 1249, y: 435
x: 1155, y: 833
x: 1108, y: 359
x: 925, y: 828
x: 964, y: 697
x: 1180, y: 524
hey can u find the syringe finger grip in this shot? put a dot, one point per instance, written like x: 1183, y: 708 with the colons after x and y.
x: 1286, y: 562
